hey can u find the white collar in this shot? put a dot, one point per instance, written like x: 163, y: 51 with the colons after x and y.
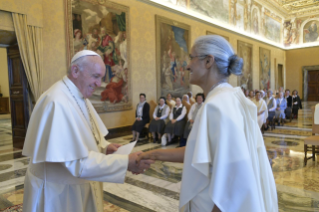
x: 294, y: 96
x: 74, y: 90
x: 177, y: 107
x: 161, y: 107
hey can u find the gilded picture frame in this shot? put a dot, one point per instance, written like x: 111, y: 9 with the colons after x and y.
x: 245, y: 51
x: 103, y: 27
x: 172, y: 55
x: 264, y: 68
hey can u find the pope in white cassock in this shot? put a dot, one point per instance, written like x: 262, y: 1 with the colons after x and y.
x: 69, y: 156
x: 226, y: 167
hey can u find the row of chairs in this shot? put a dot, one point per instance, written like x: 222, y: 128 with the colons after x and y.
x: 312, y: 143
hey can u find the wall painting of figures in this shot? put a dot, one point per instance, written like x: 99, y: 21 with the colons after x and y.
x: 245, y: 51
x: 103, y: 28
x: 264, y: 68
x: 310, y: 31
x: 172, y: 55
x: 212, y: 33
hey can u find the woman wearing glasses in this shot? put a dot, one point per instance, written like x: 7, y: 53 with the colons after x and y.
x: 226, y: 167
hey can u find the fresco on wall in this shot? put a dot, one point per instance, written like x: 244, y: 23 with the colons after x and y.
x: 291, y: 30
x: 272, y: 29
x: 172, y: 44
x: 245, y: 51
x: 216, y: 9
x: 310, y: 31
x: 264, y: 68
x: 244, y: 15
x: 255, y: 21
x: 104, y: 30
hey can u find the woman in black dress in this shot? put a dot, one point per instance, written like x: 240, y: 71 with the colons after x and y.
x: 296, y: 103
x: 175, y: 127
x: 142, y: 117
x: 160, y: 118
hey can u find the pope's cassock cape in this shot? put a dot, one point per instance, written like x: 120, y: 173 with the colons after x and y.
x: 65, y: 158
x: 225, y: 162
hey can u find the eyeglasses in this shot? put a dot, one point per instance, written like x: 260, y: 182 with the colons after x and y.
x: 191, y: 57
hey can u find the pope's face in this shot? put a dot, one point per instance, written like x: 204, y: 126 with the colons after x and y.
x: 90, y: 75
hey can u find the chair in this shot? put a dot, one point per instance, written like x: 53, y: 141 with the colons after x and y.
x: 312, y: 141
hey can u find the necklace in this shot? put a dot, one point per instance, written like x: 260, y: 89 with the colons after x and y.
x: 97, y: 139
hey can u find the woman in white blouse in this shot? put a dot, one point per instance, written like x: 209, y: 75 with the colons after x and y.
x: 192, y: 113
x: 160, y: 118
x: 175, y: 127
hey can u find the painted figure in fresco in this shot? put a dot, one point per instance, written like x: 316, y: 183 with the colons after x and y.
x: 78, y: 41
x: 107, y: 49
x: 113, y: 90
x: 255, y: 23
x: 311, y: 33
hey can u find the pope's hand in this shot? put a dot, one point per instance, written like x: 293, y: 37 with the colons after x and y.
x: 138, y: 168
x: 111, y: 148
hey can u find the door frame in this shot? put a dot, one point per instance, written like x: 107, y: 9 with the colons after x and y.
x: 305, y: 70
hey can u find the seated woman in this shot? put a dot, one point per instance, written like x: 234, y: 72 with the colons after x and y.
x: 262, y: 112
x: 296, y: 104
x: 271, y: 107
x: 169, y: 101
x: 142, y: 117
x: 175, y: 127
x: 160, y: 117
x: 192, y: 113
x: 281, y: 107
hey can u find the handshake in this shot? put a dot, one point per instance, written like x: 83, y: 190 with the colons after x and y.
x: 138, y: 167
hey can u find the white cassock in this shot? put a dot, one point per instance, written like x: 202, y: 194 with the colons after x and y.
x: 225, y: 162
x: 261, y: 106
x: 65, y: 158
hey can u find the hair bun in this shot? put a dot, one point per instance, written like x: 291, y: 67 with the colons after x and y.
x: 235, y: 65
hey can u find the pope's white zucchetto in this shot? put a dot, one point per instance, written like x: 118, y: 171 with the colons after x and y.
x: 83, y: 53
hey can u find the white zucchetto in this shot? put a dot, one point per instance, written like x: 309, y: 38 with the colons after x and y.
x: 83, y: 53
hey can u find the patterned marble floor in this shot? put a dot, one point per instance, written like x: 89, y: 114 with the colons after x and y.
x: 158, y: 188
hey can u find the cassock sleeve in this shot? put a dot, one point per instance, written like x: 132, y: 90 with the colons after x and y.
x: 99, y: 167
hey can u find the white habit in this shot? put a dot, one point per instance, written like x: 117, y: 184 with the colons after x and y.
x: 65, y: 158
x: 225, y: 162
x: 261, y: 106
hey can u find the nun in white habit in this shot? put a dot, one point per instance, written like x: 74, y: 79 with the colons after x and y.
x: 226, y: 167
x: 262, y: 111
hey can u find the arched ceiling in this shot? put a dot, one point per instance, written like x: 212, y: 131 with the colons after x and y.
x: 295, y: 8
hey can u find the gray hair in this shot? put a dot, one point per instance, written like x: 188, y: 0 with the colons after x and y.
x: 269, y: 91
x: 227, y: 62
x: 79, y: 62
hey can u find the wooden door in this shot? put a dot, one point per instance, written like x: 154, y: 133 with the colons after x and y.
x: 313, y: 85
x: 18, y: 86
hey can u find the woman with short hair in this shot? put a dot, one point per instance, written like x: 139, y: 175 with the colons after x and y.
x: 160, y: 118
x: 175, y: 126
x: 193, y: 113
x: 142, y: 117
x: 296, y: 104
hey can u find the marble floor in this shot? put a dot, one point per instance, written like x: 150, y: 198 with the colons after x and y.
x: 158, y: 188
